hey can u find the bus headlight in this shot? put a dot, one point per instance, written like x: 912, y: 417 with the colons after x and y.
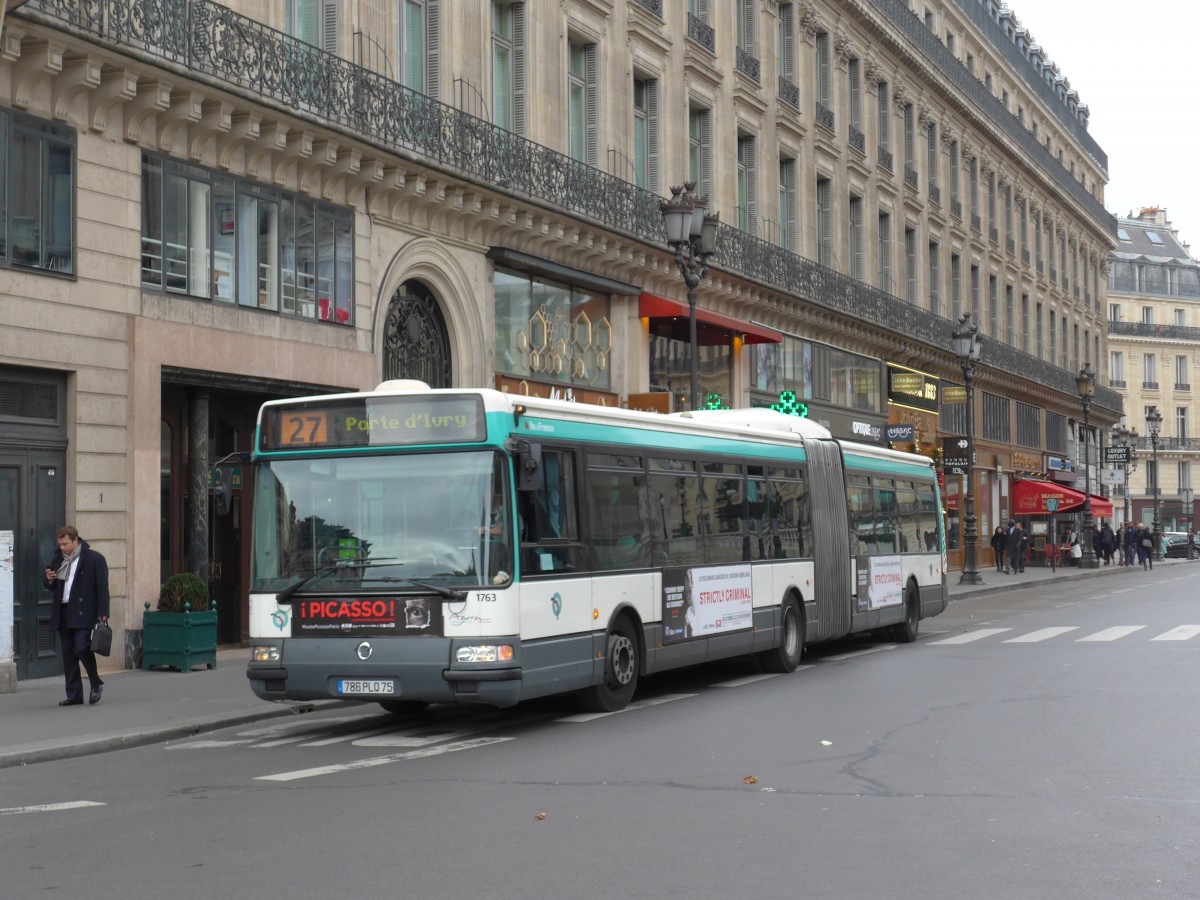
x: 265, y: 654
x: 484, y: 653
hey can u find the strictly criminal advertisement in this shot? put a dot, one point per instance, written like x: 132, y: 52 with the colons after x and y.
x: 703, y: 602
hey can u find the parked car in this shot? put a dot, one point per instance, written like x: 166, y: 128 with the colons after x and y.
x: 1177, y: 545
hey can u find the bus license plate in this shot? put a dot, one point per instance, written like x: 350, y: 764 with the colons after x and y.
x: 375, y: 686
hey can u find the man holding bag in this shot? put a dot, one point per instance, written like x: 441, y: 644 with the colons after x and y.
x: 78, y: 576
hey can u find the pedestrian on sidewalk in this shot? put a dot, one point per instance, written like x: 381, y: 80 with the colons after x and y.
x: 1076, y: 549
x: 1107, y: 542
x: 1012, y: 547
x: 1145, y: 547
x: 998, y: 541
x: 1131, y: 542
x: 78, y: 576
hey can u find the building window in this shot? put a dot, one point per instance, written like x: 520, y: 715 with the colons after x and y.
x: 1041, y: 348
x: 910, y: 265
x: 1181, y: 374
x: 1180, y: 320
x: 996, y: 418
x: 1053, y: 339
x: 955, y: 199
x: 821, y: 62
x: 700, y: 149
x: 824, y: 221
x: 418, y: 42
x: 314, y: 22
x: 856, y: 237
x: 788, y: 235
x: 583, y: 114
x: 884, y: 109
x: 973, y: 190
x: 211, y: 236
x: 37, y: 205
x: 1025, y: 322
x: 935, y: 277
x: 1147, y: 315
x: 1114, y: 312
x: 931, y: 146
x: 1010, y: 325
x: 552, y: 332
x: 854, y: 90
x: 1116, y: 368
x: 885, y: 252
x: 508, y: 65
x: 976, y: 299
x: 747, y: 184
x: 910, y: 144
x: 955, y: 285
x: 645, y: 132
x: 993, y: 306
x: 787, y: 43
x: 1149, y: 370
x: 1181, y: 422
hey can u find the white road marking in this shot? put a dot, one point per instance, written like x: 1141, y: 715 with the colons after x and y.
x: 970, y: 636
x: 749, y: 679
x: 842, y: 656
x: 305, y: 721
x: 640, y: 704
x: 383, y: 760
x: 1043, y: 634
x: 205, y: 745
x: 423, y: 736
x: 342, y: 738
x: 266, y: 745
x: 1111, y: 634
x: 1179, y: 633
x: 49, y: 807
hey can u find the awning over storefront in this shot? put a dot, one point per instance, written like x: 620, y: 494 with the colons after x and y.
x: 711, y: 327
x: 1030, y: 496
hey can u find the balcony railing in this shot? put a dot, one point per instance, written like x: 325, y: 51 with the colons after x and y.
x: 1182, y: 387
x: 935, y: 194
x: 1149, y: 385
x: 655, y: 6
x: 789, y: 93
x: 956, y: 209
x: 1151, y: 286
x: 1011, y: 246
x: 994, y: 235
x: 1167, y: 443
x: 976, y: 223
x: 824, y: 116
x: 702, y: 33
x: 1150, y: 330
x: 885, y: 158
x: 248, y: 59
x: 1117, y: 383
x: 748, y: 64
x: 911, y: 178
x: 858, y: 140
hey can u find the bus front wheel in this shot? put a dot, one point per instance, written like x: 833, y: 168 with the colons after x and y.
x: 621, y: 666
x: 786, y: 656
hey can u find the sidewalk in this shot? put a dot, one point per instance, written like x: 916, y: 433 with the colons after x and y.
x: 141, y: 708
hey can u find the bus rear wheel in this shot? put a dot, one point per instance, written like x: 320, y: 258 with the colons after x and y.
x: 906, y: 631
x: 786, y: 656
x: 621, y: 666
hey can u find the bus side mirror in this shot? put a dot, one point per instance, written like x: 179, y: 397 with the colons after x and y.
x: 222, y: 493
x: 529, y: 466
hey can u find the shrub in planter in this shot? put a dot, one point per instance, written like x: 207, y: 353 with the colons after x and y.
x: 182, y: 632
x: 181, y: 589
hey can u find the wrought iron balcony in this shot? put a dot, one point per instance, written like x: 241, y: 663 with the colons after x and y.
x: 1025, y: 257
x: 858, y: 140
x: 748, y: 64
x: 1053, y: 274
x: 217, y: 45
x: 655, y: 6
x: 824, y: 116
x: 994, y: 235
x: 1166, y: 443
x: 910, y: 177
x: 885, y: 158
x: 1182, y: 387
x: 976, y: 223
x: 1150, y: 330
x: 1156, y: 286
x: 956, y: 209
x: 1041, y: 267
x: 935, y: 194
x: 1117, y: 383
x: 702, y: 33
x: 1149, y: 385
x: 789, y: 93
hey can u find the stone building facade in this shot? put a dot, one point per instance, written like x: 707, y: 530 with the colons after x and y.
x: 1153, y: 344
x: 210, y: 205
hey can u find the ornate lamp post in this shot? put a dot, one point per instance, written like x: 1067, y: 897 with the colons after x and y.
x: 692, y: 236
x: 1085, y: 381
x: 967, y: 347
x: 1153, y: 425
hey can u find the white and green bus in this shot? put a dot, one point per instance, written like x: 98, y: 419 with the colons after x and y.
x: 415, y: 545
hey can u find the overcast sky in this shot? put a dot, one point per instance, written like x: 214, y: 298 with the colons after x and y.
x: 1135, y: 66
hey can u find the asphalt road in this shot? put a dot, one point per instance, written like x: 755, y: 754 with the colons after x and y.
x: 1029, y: 745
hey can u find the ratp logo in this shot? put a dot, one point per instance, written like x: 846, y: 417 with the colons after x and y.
x: 279, y: 619
x: 556, y: 604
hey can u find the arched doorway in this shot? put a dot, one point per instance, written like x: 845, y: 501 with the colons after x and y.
x: 415, y: 341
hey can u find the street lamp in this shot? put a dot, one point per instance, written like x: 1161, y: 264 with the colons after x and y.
x: 1085, y: 381
x: 967, y: 347
x: 692, y: 236
x: 1153, y: 425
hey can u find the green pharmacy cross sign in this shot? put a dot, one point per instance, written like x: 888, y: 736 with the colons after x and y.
x: 790, y: 405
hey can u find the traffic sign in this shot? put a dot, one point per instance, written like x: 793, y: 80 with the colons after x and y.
x: 957, y: 455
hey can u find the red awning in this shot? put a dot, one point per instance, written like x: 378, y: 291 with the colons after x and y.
x: 711, y: 328
x: 1030, y: 496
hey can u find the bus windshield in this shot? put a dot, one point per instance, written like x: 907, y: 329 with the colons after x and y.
x: 374, y: 522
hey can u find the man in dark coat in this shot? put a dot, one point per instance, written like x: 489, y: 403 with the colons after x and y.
x: 78, y: 576
x: 1014, y: 544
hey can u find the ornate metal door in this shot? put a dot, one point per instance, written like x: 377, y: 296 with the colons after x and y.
x: 415, y: 341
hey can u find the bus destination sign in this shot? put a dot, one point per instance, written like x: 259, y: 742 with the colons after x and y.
x: 373, y: 422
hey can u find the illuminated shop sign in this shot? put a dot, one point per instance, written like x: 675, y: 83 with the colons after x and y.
x: 910, y: 388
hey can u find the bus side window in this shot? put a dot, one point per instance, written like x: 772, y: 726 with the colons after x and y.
x: 549, y: 518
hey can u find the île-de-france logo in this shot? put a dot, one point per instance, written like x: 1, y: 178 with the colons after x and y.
x: 279, y: 619
x: 556, y: 604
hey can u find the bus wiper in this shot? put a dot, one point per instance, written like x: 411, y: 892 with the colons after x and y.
x: 286, y: 594
x: 445, y: 592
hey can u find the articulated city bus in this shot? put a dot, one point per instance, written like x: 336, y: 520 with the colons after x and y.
x: 415, y: 545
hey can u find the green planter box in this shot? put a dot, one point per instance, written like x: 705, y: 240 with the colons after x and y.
x: 179, y: 640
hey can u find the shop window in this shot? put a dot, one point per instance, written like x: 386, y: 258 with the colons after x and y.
x: 37, y: 194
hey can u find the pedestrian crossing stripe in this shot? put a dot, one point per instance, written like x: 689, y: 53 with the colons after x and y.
x: 1104, y: 635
